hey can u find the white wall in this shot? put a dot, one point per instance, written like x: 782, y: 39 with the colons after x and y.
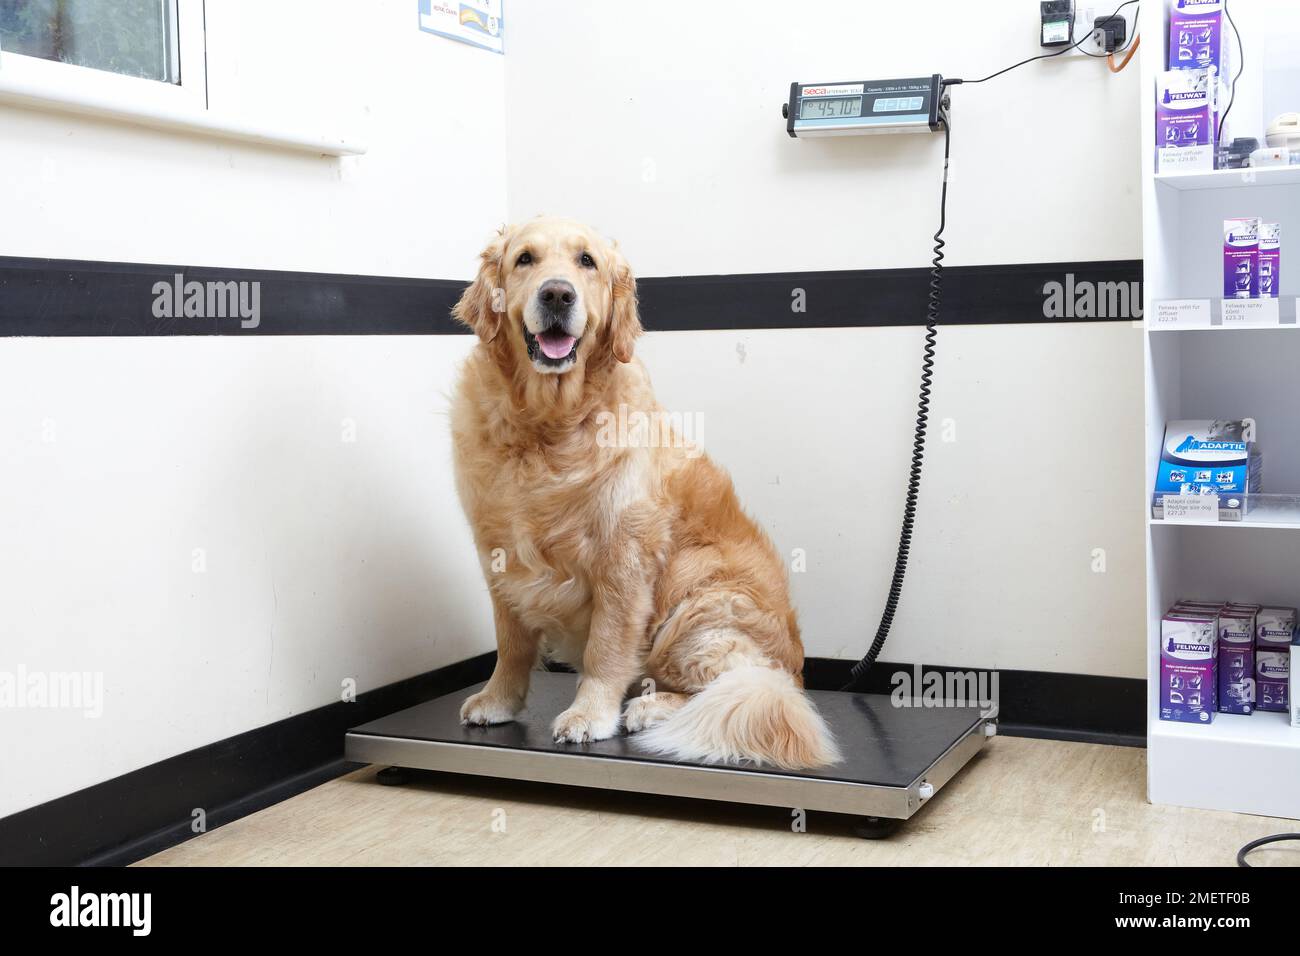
x: 329, y: 559
x: 325, y: 559
x: 669, y: 137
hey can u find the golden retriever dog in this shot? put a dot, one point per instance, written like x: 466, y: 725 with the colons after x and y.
x: 627, y: 559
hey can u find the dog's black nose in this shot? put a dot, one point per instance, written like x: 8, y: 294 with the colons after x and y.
x: 557, y: 294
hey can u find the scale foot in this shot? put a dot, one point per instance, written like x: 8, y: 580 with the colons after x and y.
x: 393, y: 776
x: 876, y: 828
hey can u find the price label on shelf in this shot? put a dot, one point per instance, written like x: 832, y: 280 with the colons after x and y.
x: 1251, y: 312
x: 1191, y: 507
x: 1186, y: 159
x: 1181, y: 314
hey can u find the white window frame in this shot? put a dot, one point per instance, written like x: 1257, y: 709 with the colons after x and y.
x: 65, y: 81
x: 34, y: 83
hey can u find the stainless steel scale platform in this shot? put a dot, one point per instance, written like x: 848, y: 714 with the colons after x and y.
x: 895, y: 758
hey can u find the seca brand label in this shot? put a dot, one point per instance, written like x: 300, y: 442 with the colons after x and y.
x: 832, y: 90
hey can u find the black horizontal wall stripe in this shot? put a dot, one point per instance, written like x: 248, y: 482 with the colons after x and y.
x: 61, y: 297
x: 54, y: 297
x: 972, y: 295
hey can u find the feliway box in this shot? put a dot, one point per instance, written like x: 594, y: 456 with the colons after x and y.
x: 1241, y: 258
x: 1196, y: 36
x: 1270, y: 259
x: 1237, y: 660
x: 1274, y: 634
x: 1185, y: 119
x: 1209, y: 458
x: 1188, y: 667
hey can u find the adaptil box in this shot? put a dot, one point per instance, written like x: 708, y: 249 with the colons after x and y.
x: 1274, y: 634
x: 1202, y: 457
x: 1189, y: 666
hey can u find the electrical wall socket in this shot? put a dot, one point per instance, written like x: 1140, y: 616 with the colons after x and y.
x: 1085, y: 15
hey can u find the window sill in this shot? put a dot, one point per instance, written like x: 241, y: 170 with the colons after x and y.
x: 18, y: 91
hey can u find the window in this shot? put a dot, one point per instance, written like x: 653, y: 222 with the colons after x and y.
x: 144, y: 53
x: 142, y: 62
x: 133, y: 37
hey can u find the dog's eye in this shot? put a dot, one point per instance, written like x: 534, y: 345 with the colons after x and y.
x: 525, y: 259
x: 586, y: 261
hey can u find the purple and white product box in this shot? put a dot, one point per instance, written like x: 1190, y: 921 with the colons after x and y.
x: 1275, y: 630
x: 1188, y: 667
x: 1237, y: 659
x: 1270, y: 259
x: 1240, y: 258
x: 1185, y: 109
x: 1196, y: 36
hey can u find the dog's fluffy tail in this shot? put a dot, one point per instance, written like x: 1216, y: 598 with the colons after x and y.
x: 752, y: 712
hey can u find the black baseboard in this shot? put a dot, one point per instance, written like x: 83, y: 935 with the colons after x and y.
x: 1077, y: 707
x: 73, y: 297
x: 139, y: 813
x: 148, y: 810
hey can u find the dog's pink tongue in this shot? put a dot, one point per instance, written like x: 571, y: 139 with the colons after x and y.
x: 555, y: 345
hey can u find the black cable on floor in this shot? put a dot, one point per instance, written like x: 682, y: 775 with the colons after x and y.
x: 860, y: 669
x: 1263, y: 841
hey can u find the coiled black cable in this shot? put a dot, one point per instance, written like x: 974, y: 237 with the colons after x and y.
x: 1256, y: 844
x: 860, y: 669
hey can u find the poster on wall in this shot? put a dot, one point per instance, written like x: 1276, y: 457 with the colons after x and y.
x: 477, y: 23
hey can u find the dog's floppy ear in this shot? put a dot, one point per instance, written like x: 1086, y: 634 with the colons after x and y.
x: 625, y: 321
x: 483, y: 303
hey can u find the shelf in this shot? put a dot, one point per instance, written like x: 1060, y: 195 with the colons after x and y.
x: 1268, y: 511
x: 1248, y: 764
x: 1228, y: 328
x: 1245, y: 764
x: 1262, y: 728
x: 1233, y: 178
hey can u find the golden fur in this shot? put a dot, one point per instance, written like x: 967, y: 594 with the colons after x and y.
x: 624, y: 560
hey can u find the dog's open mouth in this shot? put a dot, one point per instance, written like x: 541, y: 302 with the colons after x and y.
x: 551, y: 347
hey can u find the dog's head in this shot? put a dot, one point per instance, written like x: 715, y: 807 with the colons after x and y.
x: 552, y: 298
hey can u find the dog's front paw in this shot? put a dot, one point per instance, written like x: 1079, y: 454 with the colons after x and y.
x: 484, y: 709
x: 576, y: 726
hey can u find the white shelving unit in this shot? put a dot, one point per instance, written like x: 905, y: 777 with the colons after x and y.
x: 1249, y: 763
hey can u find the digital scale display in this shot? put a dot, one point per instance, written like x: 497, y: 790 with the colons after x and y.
x: 823, y: 107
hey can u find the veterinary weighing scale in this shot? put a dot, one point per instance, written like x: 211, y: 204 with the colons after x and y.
x: 895, y: 758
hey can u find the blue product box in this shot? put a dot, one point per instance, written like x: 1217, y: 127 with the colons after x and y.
x: 1202, y: 457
